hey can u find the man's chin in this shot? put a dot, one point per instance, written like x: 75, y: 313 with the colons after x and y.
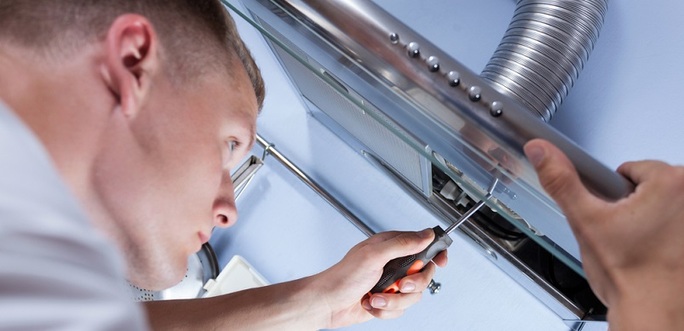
x: 157, y: 279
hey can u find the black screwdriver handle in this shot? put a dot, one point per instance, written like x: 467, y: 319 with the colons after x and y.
x: 401, y: 267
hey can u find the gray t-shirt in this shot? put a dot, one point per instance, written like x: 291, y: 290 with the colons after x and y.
x: 56, y: 271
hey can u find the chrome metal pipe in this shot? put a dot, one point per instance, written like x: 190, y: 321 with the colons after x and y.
x: 270, y: 150
x: 434, y: 287
x: 544, y: 50
x: 244, y: 174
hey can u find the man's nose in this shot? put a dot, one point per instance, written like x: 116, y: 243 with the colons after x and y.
x: 223, y: 209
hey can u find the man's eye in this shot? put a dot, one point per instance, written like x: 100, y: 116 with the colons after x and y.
x: 232, y: 145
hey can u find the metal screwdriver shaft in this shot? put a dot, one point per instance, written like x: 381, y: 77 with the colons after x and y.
x: 401, y: 267
x: 472, y: 210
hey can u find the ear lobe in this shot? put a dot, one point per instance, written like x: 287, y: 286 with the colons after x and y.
x: 131, y: 61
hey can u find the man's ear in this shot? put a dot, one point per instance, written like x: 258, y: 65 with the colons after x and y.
x: 131, y: 61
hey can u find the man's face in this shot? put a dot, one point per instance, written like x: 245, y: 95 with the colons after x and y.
x: 166, y: 179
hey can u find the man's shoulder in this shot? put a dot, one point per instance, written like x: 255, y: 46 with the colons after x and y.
x: 51, y: 257
x: 28, y: 179
x: 35, y: 204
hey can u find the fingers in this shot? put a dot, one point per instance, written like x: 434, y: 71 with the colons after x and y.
x: 394, y: 301
x: 441, y: 259
x: 390, y: 305
x: 387, y: 306
x: 557, y: 175
x: 417, y: 282
x: 641, y: 171
x: 398, y: 244
x: 379, y: 237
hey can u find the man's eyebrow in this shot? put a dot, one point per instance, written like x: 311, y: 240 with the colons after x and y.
x: 252, y: 136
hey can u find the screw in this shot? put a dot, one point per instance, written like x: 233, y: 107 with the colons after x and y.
x: 475, y: 93
x: 434, y: 287
x: 496, y: 109
x: 454, y: 78
x: 413, y: 49
x: 433, y: 63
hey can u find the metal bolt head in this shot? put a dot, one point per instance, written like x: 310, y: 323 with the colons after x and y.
x: 433, y: 63
x: 496, y: 108
x: 490, y: 252
x: 434, y: 287
x: 413, y: 49
x: 475, y: 93
x: 454, y: 78
x: 394, y: 38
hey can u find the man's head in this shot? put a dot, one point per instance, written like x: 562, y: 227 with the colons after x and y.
x: 144, y: 106
x: 198, y: 36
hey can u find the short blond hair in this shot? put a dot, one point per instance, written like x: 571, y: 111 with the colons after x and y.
x: 199, y: 35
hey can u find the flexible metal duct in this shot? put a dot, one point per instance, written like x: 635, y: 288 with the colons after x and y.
x: 544, y: 50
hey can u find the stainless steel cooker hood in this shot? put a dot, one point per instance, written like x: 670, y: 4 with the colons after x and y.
x: 445, y: 133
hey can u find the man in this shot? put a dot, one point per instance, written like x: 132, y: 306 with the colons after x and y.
x: 139, y: 109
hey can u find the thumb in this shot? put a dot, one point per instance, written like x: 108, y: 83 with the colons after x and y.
x: 557, y: 175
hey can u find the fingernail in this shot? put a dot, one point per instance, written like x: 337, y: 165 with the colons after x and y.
x: 378, y: 302
x: 425, y: 233
x: 408, y: 287
x: 535, y: 154
x: 366, y: 305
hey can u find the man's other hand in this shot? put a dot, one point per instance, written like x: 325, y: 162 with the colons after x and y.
x: 632, y: 249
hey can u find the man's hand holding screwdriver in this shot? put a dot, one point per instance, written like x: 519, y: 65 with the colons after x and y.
x: 347, y: 282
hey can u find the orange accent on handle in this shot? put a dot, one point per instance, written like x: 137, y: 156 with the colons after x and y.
x: 415, y: 267
x: 394, y: 288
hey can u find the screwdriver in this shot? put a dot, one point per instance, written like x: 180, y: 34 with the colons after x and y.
x: 401, y: 267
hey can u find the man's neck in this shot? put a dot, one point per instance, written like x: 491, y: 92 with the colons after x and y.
x: 68, y: 125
